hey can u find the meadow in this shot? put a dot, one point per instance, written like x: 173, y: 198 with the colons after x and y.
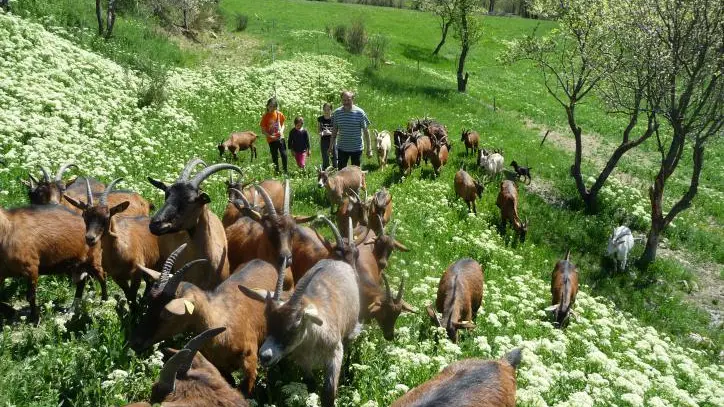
x: 143, y: 104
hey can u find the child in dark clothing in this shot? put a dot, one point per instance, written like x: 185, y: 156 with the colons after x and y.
x: 299, y: 142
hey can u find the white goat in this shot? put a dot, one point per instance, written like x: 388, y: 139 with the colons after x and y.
x: 384, y: 145
x: 619, y: 245
x: 491, y: 163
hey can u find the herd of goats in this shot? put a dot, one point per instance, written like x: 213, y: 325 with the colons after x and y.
x: 257, y: 285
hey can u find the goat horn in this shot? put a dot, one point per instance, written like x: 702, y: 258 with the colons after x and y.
x: 63, y: 168
x: 208, y: 171
x: 382, y: 225
x: 188, y: 168
x: 46, y: 177
x: 166, y: 271
x: 32, y: 180
x: 177, y: 277
x: 267, y: 200
x: 280, y: 280
x: 350, y: 231
x: 351, y: 192
x: 167, y: 377
x: 195, y: 344
x: 568, y: 254
x: 303, y: 283
x: 241, y: 197
x: 337, y: 235
x: 287, y: 197
x: 394, y: 230
x: 88, y: 193
x: 109, y: 188
x: 400, y: 290
x: 387, y: 287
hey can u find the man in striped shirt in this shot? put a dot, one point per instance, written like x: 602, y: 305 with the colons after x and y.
x: 349, y: 122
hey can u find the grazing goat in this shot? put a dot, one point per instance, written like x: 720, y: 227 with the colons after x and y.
x: 126, y: 242
x: 351, y: 177
x: 382, y: 206
x: 265, y: 236
x: 355, y: 208
x: 315, y: 324
x: 508, y: 203
x: 468, y: 188
x: 523, y: 172
x: 619, y: 246
x: 424, y: 148
x: 46, y: 191
x: 439, y: 155
x: 186, y: 209
x: 492, y: 163
x: 45, y: 239
x: 237, y: 142
x: 468, y: 383
x: 459, y: 295
x: 189, y: 379
x: 407, y: 157
x: 471, y: 139
x: 178, y: 307
x: 274, y: 188
x: 383, y: 146
x: 564, y: 288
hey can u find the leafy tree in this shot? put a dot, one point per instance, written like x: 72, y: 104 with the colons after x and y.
x: 469, y: 30
x: 445, y: 10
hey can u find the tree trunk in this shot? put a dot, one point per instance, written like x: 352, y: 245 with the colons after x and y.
x: 491, y: 6
x: 589, y: 200
x: 445, y: 28
x: 110, y: 17
x: 462, y: 79
x: 652, y: 244
x: 99, y: 17
x: 186, y: 19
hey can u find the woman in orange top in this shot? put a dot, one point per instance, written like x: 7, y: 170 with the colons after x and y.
x: 272, y: 125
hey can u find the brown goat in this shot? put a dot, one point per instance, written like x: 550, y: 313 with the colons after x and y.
x: 189, y: 379
x: 274, y: 188
x: 508, y: 203
x: 468, y: 188
x: 186, y: 208
x: 337, y: 184
x: 180, y: 307
x: 237, y: 142
x: 267, y: 237
x: 407, y: 157
x: 564, y: 288
x: 355, y: 208
x: 126, y: 243
x: 439, y: 156
x: 468, y: 383
x: 382, y: 206
x: 46, y: 239
x: 424, y: 148
x: 459, y: 295
x: 471, y: 139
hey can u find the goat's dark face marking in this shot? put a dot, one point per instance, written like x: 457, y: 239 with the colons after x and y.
x: 180, y: 210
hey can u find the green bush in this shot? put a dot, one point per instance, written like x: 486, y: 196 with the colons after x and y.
x: 242, y: 21
x: 356, y: 38
x: 377, y: 49
x: 339, y: 33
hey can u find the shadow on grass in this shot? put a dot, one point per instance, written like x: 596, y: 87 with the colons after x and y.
x: 396, y: 86
x: 418, y: 53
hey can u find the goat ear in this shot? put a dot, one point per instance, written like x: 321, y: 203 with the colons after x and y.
x: 179, y: 307
x: 311, y: 314
x: 78, y: 204
x: 27, y: 183
x: 252, y: 214
x: 158, y: 184
x: 408, y: 308
x: 120, y: 207
x: 151, y: 273
x: 375, y: 307
x: 552, y: 308
x: 304, y: 219
x: 464, y: 325
x: 203, y: 198
x: 401, y: 247
x: 254, y: 293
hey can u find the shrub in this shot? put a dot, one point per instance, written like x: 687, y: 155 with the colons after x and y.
x: 340, y: 33
x: 377, y: 48
x: 242, y: 21
x: 154, y: 90
x: 356, y: 38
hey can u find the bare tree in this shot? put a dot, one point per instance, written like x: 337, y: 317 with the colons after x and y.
x: 589, y: 53
x: 110, y: 18
x: 469, y: 30
x: 688, y: 92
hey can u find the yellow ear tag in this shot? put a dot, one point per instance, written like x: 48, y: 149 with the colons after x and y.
x: 189, y: 307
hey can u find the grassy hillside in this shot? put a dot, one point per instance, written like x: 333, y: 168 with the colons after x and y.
x: 636, y: 342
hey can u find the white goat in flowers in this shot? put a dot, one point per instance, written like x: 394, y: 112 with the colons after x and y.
x: 619, y: 245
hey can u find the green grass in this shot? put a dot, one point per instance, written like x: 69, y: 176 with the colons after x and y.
x: 39, y: 372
